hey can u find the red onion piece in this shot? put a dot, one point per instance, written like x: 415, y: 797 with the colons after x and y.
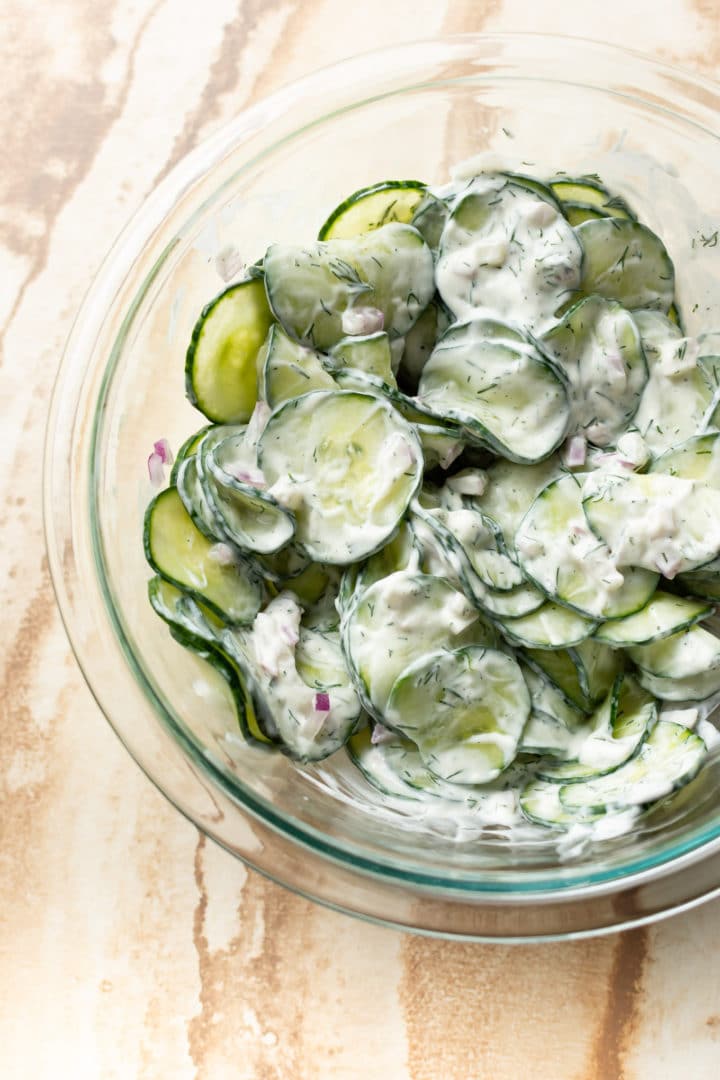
x: 322, y: 702
x: 362, y: 320
x: 575, y: 451
x: 156, y: 470
x: 162, y: 449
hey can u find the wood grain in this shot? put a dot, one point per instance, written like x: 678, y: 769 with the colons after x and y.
x: 129, y: 946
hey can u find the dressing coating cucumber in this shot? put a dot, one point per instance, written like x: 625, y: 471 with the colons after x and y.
x: 289, y: 369
x: 309, y: 287
x: 625, y: 261
x: 347, y: 464
x: 663, y: 615
x: 464, y: 709
x: 501, y: 391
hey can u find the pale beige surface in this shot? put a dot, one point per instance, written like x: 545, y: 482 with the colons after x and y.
x: 129, y: 946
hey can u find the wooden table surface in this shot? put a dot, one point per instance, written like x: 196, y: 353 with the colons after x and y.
x: 129, y: 945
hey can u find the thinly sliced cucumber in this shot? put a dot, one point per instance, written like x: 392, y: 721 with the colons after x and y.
x: 187, y: 449
x: 676, y: 396
x: 372, y: 207
x: 513, y: 604
x: 309, y: 287
x: 578, y: 212
x: 220, y: 368
x: 191, y: 490
x: 430, y: 218
x: 663, y: 615
x: 464, y: 709
x: 540, y: 803
x: 292, y: 674
x: 180, y: 554
x: 401, y: 553
x: 598, y: 347
x: 544, y: 735
x: 625, y: 261
x: 549, y: 627
x: 547, y: 700
x: 507, y: 250
x: 251, y: 518
x: 196, y: 629
x: 557, y: 551
x: 477, y: 537
x: 387, y: 766
x: 615, y: 732
x: 284, y: 565
x: 441, y: 445
x: 669, y: 758
x: 419, y: 343
x: 598, y: 666
x: 399, y: 618
x: 369, y: 353
x: 290, y: 369
x: 656, y: 521
x: 592, y: 194
x: 686, y: 655
x: 560, y: 668
x: 696, y: 459
x: 704, y: 587
x: 347, y: 464
x: 502, y: 391
x: 511, y: 490
x: 693, y: 688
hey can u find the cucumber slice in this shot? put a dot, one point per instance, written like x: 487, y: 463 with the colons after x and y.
x: 387, y: 766
x: 180, y: 554
x: 591, y: 194
x: 252, y: 519
x: 430, y: 218
x: 625, y: 261
x: 557, y: 551
x: 540, y: 803
x: 440, y: 445
x: 348, y: 464
x: 511, y: 490
x: 676, y: 396
x: 369, y: 353
x: 559, y: 667
x: 544, y: 735
x: 597, y: 344
x: 655, y: 521
x: 547, y: 700
x: 191, y: 490
x: 663, y: 615
x: 692, y: 688
x: 195, y: 628
x: 371, y: 207
x: 291, y: 674
x: 398, y: 619
x: 290, y: 369
x: 705, y: 588
x: 220, y: 367
x: 401, y: 553
x: 419, y: 343
x: 578, y: 212
x: 465, y: 710
x: 309, y: 287
x: 502, y: 391
x: 614, y: 734
x: 669, y: 758
x: 507, y: 250
x: 696, y: 459
x: 598, y: 666
x: 549, y: 627
x: 686, y: 655
x: 187, y: 449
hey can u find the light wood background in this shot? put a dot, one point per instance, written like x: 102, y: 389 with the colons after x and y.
x: 130, y: 946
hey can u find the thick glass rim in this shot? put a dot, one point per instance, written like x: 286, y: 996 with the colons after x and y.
x: 523, y: 885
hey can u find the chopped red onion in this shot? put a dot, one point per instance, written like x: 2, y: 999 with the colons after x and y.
x: 575, y: 451
x: 253, y: 477
x: 322, y: 702
x: 362, y: 320
x: 156, y: 470
x: 162, y: 449
x: 380, y: 734
x: 291, y: 635
x: 222, y: 554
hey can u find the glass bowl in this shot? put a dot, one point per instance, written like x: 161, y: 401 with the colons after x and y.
x: 273, y: 174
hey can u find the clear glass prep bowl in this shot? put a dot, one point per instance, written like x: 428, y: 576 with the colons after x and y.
x: 273, y: 174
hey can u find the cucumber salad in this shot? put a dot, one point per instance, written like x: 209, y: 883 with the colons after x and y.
x: 454, y: 516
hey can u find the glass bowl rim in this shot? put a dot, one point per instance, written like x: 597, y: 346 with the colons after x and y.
x: 153, y: 211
